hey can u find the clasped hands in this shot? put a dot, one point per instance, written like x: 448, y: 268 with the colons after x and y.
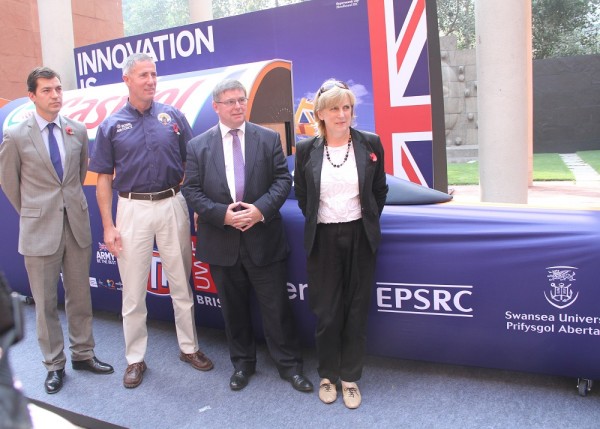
x: 242, y: 216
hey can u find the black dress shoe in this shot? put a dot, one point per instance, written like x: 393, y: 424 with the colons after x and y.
x: 239, y: 380
x: 54, y: 381
x: 93, y: 365
x: 301, y: 383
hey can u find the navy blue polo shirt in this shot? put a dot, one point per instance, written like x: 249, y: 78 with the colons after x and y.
x: 145, y: 151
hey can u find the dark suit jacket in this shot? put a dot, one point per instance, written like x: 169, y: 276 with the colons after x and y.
x: 33, y: 188
x: 373, y: 188
x: 267, y: 185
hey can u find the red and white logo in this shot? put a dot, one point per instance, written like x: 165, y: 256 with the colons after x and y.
x: 201, y: 279
x: 157, y: 279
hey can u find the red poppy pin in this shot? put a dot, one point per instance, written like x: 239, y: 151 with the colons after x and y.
x: 373, y: 157
x: 69, y: 131
x: 176, y: 128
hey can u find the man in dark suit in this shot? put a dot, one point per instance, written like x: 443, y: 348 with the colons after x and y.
x: 236, y: 180
x: 43, y: 163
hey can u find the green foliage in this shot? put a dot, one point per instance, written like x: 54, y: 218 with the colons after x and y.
x: 457, y: 17
x: 224, y: 8
x: 142, y: 16
x: 592, y: 157
x: 560, y: 27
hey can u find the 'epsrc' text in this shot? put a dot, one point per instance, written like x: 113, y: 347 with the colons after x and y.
x: 425, y: 299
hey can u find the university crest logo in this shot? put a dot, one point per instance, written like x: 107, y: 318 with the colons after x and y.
x: 561, y: 282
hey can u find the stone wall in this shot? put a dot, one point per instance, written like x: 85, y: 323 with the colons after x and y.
x: 459, y: 77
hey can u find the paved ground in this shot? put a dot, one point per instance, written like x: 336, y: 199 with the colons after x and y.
x: 555, y: 194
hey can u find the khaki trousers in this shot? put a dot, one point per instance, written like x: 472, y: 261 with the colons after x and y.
x: 140, y: 223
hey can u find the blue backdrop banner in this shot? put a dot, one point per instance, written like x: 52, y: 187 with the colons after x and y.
x: 508, y: 287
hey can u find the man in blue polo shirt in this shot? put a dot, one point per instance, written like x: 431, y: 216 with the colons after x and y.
x: 144, y: 146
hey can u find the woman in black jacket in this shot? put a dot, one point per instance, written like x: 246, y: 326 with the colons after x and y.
x: 339, y: 181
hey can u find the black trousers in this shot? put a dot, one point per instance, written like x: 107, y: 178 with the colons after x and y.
x: 270, y: 286
x: 341, y: 268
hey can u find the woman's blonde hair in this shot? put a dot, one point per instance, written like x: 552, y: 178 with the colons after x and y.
x: 331, y: 93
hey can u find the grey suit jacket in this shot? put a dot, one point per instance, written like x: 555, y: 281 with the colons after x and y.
x: 31, y: 184
x: 372, y: 185
x: 267, y: 185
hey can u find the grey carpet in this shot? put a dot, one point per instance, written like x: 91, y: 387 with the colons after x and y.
x: 396, y: 393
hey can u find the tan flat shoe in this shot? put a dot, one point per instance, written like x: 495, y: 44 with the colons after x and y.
x: 327, y: 391
x: 351, y: 395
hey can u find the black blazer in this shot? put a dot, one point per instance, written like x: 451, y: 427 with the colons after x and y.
x: 373, y: 188
x: 267, y: 185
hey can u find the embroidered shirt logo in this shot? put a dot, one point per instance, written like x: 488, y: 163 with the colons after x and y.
x: 164, y: 118
x: 124, y: 127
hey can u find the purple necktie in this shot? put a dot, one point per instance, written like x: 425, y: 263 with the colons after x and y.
x: 238, y: 166
x: 54, y: 151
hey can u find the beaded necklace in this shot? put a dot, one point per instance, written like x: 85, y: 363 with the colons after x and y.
x: 345, y: 157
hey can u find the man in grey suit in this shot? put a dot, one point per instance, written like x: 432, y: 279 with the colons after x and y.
x: 236, y: 180
x: 43, y: 163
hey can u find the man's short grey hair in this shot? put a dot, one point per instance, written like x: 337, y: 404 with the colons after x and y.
x: 133, y: 59
x: 227, y: 85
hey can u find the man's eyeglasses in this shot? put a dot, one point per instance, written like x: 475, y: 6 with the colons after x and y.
x: 232, y: 101
x: 328, y: 85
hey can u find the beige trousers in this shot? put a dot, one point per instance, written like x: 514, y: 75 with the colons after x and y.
x: 140, y: 223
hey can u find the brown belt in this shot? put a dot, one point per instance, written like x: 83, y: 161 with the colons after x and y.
x: 151, y: 196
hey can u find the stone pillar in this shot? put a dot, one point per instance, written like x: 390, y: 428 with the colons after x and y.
x: 503, y: 30
x: 56, y: 35
x: 201, y: 10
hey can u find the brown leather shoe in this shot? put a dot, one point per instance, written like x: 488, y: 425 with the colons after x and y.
x: 197, y: 360
x: 134, y: 374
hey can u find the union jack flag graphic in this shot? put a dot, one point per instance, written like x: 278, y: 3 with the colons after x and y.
x: 401, y: 88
